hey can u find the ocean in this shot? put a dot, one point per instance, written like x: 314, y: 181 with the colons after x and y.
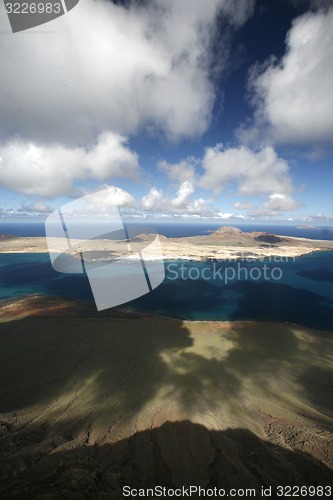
x: 286, y: 290
x: 172, y: 230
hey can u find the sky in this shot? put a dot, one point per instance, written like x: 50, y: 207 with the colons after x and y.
x: 186, y: 110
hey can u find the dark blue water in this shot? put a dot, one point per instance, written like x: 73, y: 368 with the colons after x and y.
x: 299, y: 291
x: 23, y: 229
x: 173, y: 230
x: 295, y: 291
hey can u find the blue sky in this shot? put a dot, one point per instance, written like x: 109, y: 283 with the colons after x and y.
x: 184, y: 110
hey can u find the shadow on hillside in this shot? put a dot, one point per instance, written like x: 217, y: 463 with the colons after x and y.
x: 98, y: 370
x: 257, y: 354
x: 41, y: 359
x: 175, y: 455
x: 81, y: 362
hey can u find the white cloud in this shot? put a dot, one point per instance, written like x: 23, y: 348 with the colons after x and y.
x: 278, y: 202
x: 318, y: 217
x: 107, y: 67
x: 254, y: 172
x: 184, y: 192
x: 181, y: 171
x: 247, y: 205
x: 35, y: 207
x: 104, y: 201
x: 200, y: 206
x: 50, y: 170
x: 274, y: 205
x: 228, y: 215
x: 153, y: 200
x: 181, y: 203
x: 293, y: 97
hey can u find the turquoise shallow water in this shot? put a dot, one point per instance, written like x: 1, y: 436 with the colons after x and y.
x: 299, y: 291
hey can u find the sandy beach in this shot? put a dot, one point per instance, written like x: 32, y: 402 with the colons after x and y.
x: 143, y: 400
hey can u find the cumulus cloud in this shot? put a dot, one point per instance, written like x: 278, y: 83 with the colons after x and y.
x: 275, y: 205
x: 181, y: 171
x: 153, y: 200
x: 184, y: 192
x: 293, y: 97
x: 35, y: 207
x: 229, y: 215
x: 254, y: 172
x: 247, y: 205
x: 318, y: 217
x: 50, y: 170
x: 104, y: 201
x: 279, y: 201
x: 107, y: 67
x: 181, y: 203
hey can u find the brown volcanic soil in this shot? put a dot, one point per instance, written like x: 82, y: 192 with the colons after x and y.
x: 89, y: 404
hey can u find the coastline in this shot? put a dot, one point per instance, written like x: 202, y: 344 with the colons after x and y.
x: 212, y: 289
x: 48, y: 306
x: 220, y: 245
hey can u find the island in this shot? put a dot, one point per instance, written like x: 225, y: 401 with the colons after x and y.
x: 226, y: 243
